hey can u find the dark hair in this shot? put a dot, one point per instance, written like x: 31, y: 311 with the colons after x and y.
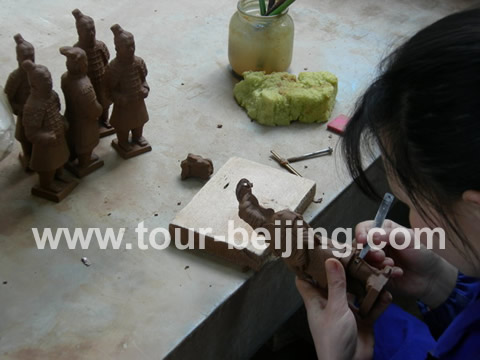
x: 423, y: 111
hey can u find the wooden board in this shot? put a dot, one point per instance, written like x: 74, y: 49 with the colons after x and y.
x: 215, y: 204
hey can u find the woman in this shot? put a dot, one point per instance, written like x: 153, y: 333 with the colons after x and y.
x: 423, y: 112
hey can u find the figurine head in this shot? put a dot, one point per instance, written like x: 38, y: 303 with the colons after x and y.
x: 39, y: 78
x: 25, y: 50
x: 243, y: 187
x: 124, y: 43
x: 85, y: 27
x: 77, y: 62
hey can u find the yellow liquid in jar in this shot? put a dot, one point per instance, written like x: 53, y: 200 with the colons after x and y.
x: 259, y: 43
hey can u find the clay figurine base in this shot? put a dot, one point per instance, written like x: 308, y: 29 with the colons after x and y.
x: 81, y: 172
x: 25, y: 164
x: 55, y: 196
x: 104, y: 131
x: 136, y: 149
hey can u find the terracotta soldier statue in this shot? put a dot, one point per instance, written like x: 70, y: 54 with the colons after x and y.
x: 128, y: 88
x: 45, y: 128
x: 98, y: 56
x: 17, y: 90
x: 308, y: 259
x: 82, y: 111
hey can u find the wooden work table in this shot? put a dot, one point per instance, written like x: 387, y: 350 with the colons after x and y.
x: 134, y: 304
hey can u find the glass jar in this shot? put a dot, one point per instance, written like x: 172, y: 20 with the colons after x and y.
x: 259, y: 43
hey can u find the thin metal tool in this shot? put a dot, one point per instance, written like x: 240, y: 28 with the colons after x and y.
x: 379, y: 219
x: 323, y: 152
x: 284, y: 163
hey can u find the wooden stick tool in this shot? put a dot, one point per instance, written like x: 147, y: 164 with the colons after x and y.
x: 284, y: 162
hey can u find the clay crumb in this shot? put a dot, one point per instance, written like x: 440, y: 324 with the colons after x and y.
x: 226, y: 185
x: 318, y: 201
x: 6, y: 282
x: 219, y: 126
x: 186, y: 267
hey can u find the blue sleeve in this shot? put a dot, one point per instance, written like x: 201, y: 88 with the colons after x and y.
x: 465, y: 292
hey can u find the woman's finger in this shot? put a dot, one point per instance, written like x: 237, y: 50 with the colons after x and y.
x: 337, y: 284
x: 312, y: 297
x: 361, y: 231
x: 375, y: 256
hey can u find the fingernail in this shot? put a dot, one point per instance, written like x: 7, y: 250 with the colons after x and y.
x: 331, y: 266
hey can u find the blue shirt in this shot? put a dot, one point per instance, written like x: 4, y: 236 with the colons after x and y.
x: 451, y: 331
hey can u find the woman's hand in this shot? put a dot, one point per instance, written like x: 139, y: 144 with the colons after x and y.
x: 418, y: 273
x: 337, y: 331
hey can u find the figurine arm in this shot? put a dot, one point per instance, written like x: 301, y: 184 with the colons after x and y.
x: 94, y: 108
x: 105, y: 53
x: 66, y: 125
x: 11, y: 87
x: 143, y: 76
x: 32, y: 122
x: 113, y: 80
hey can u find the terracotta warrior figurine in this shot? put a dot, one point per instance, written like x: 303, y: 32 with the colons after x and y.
x: 196, y: 166
x: 45, y: 128
x: 17, y: 90
x: 128, y: 88
x: 82, y: 111
x: 98, y: 56
x: 308, y: 260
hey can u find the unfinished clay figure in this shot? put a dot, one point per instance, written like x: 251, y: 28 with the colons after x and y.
x: 128, y: 88
x: 196, y: 166
x: 45, y: 128
x: 17, y: 90
x: 98, y: 56
x: 308, y: 262
x: 82, y: 112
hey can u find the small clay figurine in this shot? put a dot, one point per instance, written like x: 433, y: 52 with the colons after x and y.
x: 45, y: 128
x: 363, y: 280
x: 128, y: 88
x: 196, y: 166
x: 17, y: 90
x: 82, y: 111
x: 98, y: 56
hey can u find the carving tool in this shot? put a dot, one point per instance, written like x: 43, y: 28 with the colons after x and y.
x: 379, y: 219
x: 270, y: 4
x: 279, y: 7
x: 284, y: 162
x: 323, y: 152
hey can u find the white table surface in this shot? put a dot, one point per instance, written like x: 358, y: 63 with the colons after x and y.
x: 142, y: 304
